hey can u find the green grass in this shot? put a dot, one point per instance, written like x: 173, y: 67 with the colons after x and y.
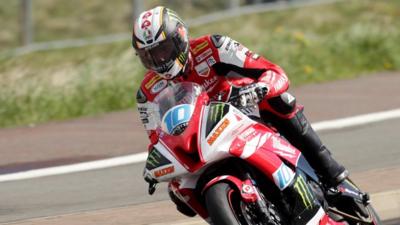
x: 66, y: 19
x: 313, y: 44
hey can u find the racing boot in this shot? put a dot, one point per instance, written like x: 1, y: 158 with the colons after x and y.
x: 298, y: 131
x: 181, y: 206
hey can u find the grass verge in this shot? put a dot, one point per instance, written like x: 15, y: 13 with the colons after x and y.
x: 312, y: 44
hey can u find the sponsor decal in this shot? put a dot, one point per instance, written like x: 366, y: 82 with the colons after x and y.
x: 182, y: 58
x: 152, y: 81
x: 237, y: 46
x: 156, y: 159
x: 252, y: 55
x: 146, y: 24
x: 228, y: 45
x: 283, y: 176
x: 211, y: 61
x: 147, y: 35
x: 202, y: 69
x: 218, y: 131
x: 302, y: 188
x: 164, y: 171
x: 204, y: 55
x: 245, y: 134
x: 210, y: 83
x: 217, y: 112
x: 158, y: 86
x: 247, y: 189
x: 146, y: 15
x: 200, y: 47
x: 143, y: 115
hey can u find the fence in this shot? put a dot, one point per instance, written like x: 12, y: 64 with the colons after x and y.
x: 26, y: 15
x: 222, y: 10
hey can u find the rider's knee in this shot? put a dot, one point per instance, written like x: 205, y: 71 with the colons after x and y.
x: 283, y: 104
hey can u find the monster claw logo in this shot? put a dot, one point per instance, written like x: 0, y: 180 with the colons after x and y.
x: 301, y: 187
x: 156, y: 159
x: 217, y: 112
x: 182, y: 57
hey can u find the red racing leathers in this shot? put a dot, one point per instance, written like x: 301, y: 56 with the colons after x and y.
x: 218, y: 64
x: 221, y: 65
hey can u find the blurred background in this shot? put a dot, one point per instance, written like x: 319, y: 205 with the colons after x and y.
x: 29, y: 21
x: 63, y: 59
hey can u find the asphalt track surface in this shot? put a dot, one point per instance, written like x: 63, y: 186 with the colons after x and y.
x: 371, y: 152
x: 360, y: 149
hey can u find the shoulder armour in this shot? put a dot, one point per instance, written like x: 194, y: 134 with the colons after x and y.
x: 140, y: 96
x: 217, y: 40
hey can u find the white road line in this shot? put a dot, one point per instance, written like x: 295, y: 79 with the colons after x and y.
x: 79, y: 167
x: 356, y: 120
x: 141, y: 157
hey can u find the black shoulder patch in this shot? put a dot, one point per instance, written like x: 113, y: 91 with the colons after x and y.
x: 217, y: 40
x: 140, y: 97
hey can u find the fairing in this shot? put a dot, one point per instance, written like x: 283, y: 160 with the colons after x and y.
x: 215, y: 132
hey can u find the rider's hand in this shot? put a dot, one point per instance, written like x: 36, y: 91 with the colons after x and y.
x: 251, y: 94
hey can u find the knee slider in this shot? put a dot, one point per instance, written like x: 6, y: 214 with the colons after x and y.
x: 284, y: 103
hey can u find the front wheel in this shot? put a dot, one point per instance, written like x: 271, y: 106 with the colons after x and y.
x: 375, y: 218
x: 225, y: 207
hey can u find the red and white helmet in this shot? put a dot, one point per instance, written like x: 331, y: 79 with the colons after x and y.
x: 161, y: 41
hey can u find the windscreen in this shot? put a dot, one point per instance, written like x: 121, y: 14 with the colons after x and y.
x: 176, y: 104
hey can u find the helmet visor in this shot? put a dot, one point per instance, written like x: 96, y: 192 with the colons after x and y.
x: 160, y: 57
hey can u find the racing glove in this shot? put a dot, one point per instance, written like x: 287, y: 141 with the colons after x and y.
x: 249, y: 95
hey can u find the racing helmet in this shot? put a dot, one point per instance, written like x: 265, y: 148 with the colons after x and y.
x: 161, y: 41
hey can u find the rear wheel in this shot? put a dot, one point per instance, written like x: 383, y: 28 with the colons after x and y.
x: 225, y: 207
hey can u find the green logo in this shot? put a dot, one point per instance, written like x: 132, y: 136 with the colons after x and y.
x: 304, y: 191
x: 217, y: 112
x: 156, y: 159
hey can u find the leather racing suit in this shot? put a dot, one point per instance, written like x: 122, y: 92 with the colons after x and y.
x: 220, y: 64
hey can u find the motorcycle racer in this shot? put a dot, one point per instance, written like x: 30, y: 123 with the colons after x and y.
x: 224, y: 68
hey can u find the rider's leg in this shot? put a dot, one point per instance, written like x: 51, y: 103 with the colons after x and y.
x: 290, y: 121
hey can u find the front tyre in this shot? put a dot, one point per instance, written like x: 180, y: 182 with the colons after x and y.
x: 225, y: 207
x: 374, y: 216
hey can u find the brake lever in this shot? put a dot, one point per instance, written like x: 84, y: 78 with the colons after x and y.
x: 152, y: 188
x: 152, y: 185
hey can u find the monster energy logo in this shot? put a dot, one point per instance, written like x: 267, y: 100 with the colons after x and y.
x: 155, y: 159
x: 217, y: 112
x: 182, y: 57
x: 302, y: 188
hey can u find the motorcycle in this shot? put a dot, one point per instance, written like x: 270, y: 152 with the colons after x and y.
x: 231, y: 169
